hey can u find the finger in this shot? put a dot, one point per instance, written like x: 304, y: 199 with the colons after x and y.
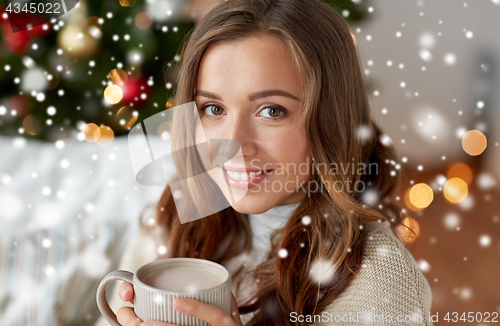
x: 126, y: 292
x: 209, y: 313
x: 127, y: 317
x: 235, y: 313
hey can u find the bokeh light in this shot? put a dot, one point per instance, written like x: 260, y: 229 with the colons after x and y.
x: 118, y: 77
x: 427, y: 40
x: 419, y: 196
x: 467, y: 203
x: 430, y: 123
x: 486, y: 181
x: 20, y: 104
x: 113, y: 94
x: 409, y: 224
x: 33, y: 79
x: 127, y: 117
x: 32, y: 125
x: 460, y: 170
x: 451, y: 221
x: 77, y: 42
x: 474, y: 142
x: 455, y: 190
x: 143, y: 20
x: 89, y: 132
x: 127, y: 3
x: 104, y: 136
x: 93, y: 26
x: 169, y: 104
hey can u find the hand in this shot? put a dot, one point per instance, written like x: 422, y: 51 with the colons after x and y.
x: 206, y: 312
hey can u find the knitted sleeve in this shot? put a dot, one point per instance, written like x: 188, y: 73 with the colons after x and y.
x: 390, y: 289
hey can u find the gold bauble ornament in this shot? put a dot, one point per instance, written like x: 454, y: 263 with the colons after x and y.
x: 77, y: 42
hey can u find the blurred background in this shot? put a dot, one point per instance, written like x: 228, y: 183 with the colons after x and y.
x: 72, y: 87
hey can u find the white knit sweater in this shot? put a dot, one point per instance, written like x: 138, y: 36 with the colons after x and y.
x: 389, y: 285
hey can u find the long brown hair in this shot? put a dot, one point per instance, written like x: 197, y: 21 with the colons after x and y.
x: 334, y: 109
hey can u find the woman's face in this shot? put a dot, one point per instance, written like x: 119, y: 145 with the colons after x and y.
x: 249, y: 91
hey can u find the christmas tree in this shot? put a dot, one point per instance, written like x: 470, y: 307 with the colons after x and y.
x: 97, y: 70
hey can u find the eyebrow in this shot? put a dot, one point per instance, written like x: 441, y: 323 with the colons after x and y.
x: 252, y: 97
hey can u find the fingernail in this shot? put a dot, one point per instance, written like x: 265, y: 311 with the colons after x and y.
x: 147, y: 323
x: 179, y: 303
x: 125, y: 294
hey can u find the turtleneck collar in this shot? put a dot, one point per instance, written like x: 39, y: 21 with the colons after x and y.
x: 264, y: 224
x: 274, y: 218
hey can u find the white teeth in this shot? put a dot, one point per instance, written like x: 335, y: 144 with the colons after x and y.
x: 243, y: 175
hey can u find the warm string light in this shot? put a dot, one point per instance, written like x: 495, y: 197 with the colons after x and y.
x: 455, y: 190
x: 143, y: 20
x: 113, y: 94
x: 460, y: 170
x: 102, y: 136
x: 419, y: 196
x: 127, y: 3
x: 118, y: 77
x: 406, y: 227
x: 474, y: 142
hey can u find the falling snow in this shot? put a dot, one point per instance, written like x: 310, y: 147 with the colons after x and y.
x: 322, y: 272
x: 283, y: 253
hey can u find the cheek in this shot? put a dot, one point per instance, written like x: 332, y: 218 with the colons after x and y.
x: 295, y: 149
x: 294, y: 155
x: 199, y: 135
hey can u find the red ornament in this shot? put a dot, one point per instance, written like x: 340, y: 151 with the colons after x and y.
x: 135, y: 92
x: 18, y: 43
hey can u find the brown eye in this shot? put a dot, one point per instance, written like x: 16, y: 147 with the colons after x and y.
x: 216, y: 110
x: 272, y: 112
x: 213, y: 110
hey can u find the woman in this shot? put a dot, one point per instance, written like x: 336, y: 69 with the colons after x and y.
x: 281, y: 79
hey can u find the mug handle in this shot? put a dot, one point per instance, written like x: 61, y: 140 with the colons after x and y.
x: 102, y: 302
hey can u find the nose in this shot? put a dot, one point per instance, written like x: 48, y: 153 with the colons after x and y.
x: 239, y: 130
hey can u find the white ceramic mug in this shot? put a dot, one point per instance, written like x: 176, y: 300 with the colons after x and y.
x: 156, y: 302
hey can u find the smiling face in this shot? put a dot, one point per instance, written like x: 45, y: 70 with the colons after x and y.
x: 249, y: 91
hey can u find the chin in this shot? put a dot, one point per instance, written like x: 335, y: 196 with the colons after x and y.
x: 256, y: 205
